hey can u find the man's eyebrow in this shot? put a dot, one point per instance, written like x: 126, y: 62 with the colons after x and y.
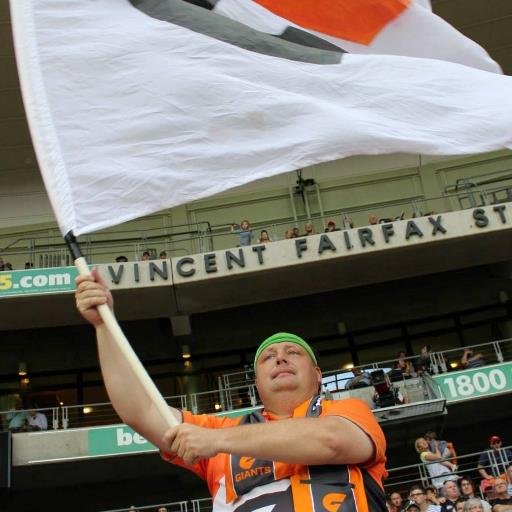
x: 293, y: 345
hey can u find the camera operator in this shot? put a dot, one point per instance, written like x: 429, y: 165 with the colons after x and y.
x: 386, y: 394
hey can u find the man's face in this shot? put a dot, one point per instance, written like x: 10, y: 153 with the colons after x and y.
x: 451, y: 491
x: 459, y: 507
x: 500, y: 486
x: 418, y: 496
x: 495, y: 444
x: 286, y: 367
x: 466, y: 488
x: 396, y: 499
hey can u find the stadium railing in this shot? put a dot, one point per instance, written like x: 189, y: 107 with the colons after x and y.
x: 400, y: 479
x: 237, y: 390
x: 45, y: 248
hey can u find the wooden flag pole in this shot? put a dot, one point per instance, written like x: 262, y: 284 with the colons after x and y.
x: 118, y: 336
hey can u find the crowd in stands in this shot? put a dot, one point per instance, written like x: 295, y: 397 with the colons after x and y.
x: 147, y: 255
x: 387, y: 394
x: 451, y: 492
x: 246, y: 236
x: 25, y: 420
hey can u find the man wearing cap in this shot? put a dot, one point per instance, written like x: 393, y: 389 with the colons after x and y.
x: 299, y: 453
x: 494, y: 461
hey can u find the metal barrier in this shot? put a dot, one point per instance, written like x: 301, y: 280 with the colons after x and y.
x: 46, y: 248
x: 202, y: 505
x: 493, y: 352
x: 404, y: 477
x: 220, y: 400
x: 400, y: 479
x: 237, y: 391
x: 20, y: 420
x: 88, y: 415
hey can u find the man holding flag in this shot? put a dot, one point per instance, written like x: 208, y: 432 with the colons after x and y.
x: 299, y: 453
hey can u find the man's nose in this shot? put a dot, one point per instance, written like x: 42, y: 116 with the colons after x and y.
x: 281, y: 357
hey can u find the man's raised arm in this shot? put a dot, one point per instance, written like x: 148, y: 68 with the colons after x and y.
x: 124, y: 388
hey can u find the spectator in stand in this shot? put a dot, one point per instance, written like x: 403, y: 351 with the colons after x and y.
x: 331, y: 226
x: 309, y: 229
x: 411, y: 507
x: 244, y: 231
x: 288, y: 234
x: 163, y: 255
x: 423, y: 362
x: 471, y: 360
x: 495, y: 456
x: 348, y: 223
x: 17, y: 419
x: 146, y: 256
x: 405, y: 365
x: 162, y: 509
x: 396, y: 502
x: 121, y: 259
x: 359, y: 380
x: 459, y: 504
x: 417, y: 494
x: 296, y: 232
x: 433, y: 496
x: 37, y: 420
x: 507, y: 476
x: 445, y: 447
x: 8, y: 266
x: 373, y: 220
x: 467, y: 490
x: 2, y: 264
x: 473, y: 505
x: 264, y: 238
x: 452, y: 494
x: 502, y: 501
x: 28, y: 265
x: 440, y: 471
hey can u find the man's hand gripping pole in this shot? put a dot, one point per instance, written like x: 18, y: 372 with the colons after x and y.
x: 117, y: 334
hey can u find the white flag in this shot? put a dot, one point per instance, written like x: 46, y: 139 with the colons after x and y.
x: 392, y: 27
x: 133, y: 110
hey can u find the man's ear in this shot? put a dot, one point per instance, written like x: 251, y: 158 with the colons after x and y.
x: 319, y: 373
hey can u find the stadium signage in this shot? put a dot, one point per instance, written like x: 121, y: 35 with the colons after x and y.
x: 475, y: 383
x: 121, y: 439
x: 36, y: 281
x: 335, y: 244
x: 398, y: 233
x: 116, y: 440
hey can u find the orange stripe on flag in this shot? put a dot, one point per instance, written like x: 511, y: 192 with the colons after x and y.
x: 358, y: 21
